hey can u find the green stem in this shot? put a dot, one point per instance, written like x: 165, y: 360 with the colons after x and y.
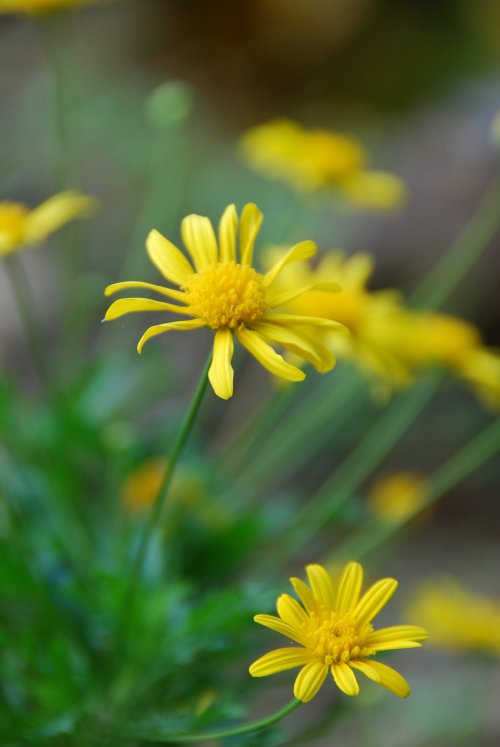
x: 27, y: 312
x: 457, y: 262
x: 173, y: 458
x: 460, y: 466
x: 231, y: 732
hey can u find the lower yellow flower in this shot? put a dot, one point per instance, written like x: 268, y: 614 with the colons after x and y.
x: 311, y: 159
x: 334, y: 630
x: 21, y: 227
x: 222, y: 291
x: 458, y: 618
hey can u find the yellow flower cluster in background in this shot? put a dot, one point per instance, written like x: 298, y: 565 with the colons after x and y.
x: 318, y: 159
x: 221, y: 290
x: 334, y: 630
x: 21, y: 227
x: 458, y: 618
x: 389, y: 340
x: 40, y: 6
x: 394, y: 497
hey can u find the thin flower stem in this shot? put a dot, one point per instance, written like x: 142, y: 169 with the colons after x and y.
x: 173, y: 458
x: 27, y: 312
x: 457, y: 468
x: 231, y: 732
x: 457, y: 262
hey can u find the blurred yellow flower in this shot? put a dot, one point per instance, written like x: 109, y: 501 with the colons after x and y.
x: 21, y: 227
x: 397, y: 496
x: 334, y: 630
x: 458, y: 618
x: 39, y: 6
x: 389, y: 340
x: 315, y: 158
x: 142, y: 484
x: 221, y: 290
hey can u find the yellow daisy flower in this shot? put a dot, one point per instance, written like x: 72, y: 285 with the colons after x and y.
x: 311, y: 159
x: 21, y: 227
x: 221, y: 290
x: 333, y: 627
x: 39, y: 6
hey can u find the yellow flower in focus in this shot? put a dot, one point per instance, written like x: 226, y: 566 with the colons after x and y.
x: 458, y: 618
x: 394, y: 497
x: 315, y: 158
x: 221, y: 290
x: 32, y: 7
x: 334, y: 630
x: 21, y: 227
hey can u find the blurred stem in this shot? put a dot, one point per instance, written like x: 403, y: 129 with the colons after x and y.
x: 172, y: 460
x: 55, y: 28
x: 231, y: 732
x: 457, y: 262
x: 461, y: 465
x: 24, y: 299
x: 369, y: 452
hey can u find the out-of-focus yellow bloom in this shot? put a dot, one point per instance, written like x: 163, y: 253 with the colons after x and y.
x: 314, y: 159
x: 141, y: 486
x: 21, y: 227
x: 458, y: 618
x: 221, y: 290
x: 187, y: 492
x: 396, y: 496
x: 389, y: 340
x: 32, y: 7
x: 334, y: 631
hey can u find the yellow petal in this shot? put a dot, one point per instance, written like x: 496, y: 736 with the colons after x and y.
x: 309, y: 680
x: 393, y: 645
x: 305, y: 594
x: 397, y: 633
x: 303, y: 345
x: 279, y: 660
x: 199, y: 237
x: 127, y: 284
x: 290, y: 610
x: 345, y: 679
x: 387, y: 677
x: 349, y: 588
x: 299, y: 319
x: 279, y: 626
x: 221, y: 372
x: 378, y: 190
x: 158, y: 329
x: 228, y: 228
x: 130, y: 305
x: 303, y: 250
x: 55, y: 213
x: 250, y: 223
x: 365, y: 667
x: 167, y: 258
x: 268, y: 357
x: 279, y: 299
x: 321, y: 585
x: 374, y: 599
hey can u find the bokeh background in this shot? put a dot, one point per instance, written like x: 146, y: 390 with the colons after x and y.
x: 418, y: 82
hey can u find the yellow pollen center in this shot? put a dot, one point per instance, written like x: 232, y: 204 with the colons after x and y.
x: 337, y: 639
x: 226, y: 295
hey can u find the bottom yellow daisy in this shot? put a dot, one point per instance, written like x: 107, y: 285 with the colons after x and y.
x: 334, y: 629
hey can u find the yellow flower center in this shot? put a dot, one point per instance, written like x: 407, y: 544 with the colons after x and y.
x: 337, y: 639
x: 226, y: 295
x: 12, y: 218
